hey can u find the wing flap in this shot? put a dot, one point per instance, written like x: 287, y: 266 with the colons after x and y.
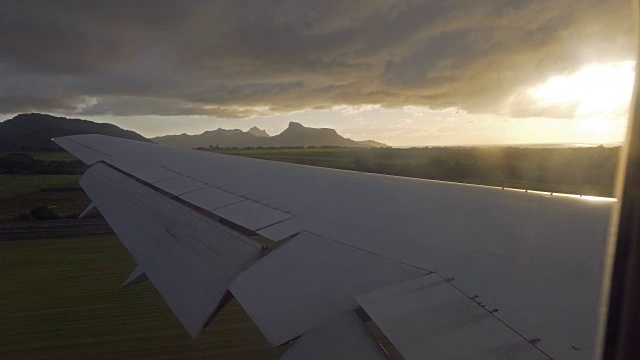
x: 189, y: 258
x: 307, y: 281
x: 427, y: 318
x: 534, y: 298
x: 342, y: 337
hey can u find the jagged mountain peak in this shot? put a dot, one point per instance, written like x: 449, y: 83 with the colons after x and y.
x: 258, y: 132
x: 295, y: 134
x: 223, y: 131
x: 295, y: 125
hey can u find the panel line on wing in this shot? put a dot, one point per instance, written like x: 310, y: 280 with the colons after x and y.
x: 190, y: 258
x: 200, y: 209
x: 275, y: 223
x: 492, y: 313
x: 251, y: 215
x: 211, y: 198
x: 234, y: 218
x: 157, y: 181
x: 89, y: 147
x: 280, y: 291
x: 422, y: 317
x: 206, y: 214
x: 344, y: 336
x: 370, y: 252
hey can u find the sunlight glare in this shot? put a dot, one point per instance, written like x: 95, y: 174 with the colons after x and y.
x: 599, y: 92
x: 594, y: 125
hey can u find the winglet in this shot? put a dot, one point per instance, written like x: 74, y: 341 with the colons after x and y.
x: 137, y: 276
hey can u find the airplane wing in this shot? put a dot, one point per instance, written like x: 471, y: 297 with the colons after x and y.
x: 445, y: 270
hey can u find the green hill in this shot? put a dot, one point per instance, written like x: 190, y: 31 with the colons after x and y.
x: 33, y: 132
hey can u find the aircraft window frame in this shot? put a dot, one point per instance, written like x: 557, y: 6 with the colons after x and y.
x: 620, y: 317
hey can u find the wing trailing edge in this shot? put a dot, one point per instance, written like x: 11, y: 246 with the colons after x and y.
x: 188, y: 257
x: 307, y: 281
x: 342, y: 337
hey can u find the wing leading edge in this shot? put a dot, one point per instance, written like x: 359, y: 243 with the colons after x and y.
x: 367, y: 240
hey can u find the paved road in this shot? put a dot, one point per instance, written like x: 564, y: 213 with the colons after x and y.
x: 33, y: 230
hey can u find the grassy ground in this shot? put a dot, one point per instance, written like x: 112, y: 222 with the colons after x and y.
x: 62, y: 298
x: 19, y: 193
x: 20, y: 184
x: 339, y: 158
x: 584, y: 171
x: 48, y: 155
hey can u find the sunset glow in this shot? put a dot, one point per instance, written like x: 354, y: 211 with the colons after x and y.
x: 598, y: 94
x: 406, y: 73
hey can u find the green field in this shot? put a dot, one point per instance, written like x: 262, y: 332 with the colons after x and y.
x: 48, y: 155
x: 21, y: 192
x: 337, y: 158
x: 20, y: 184
x: 583, y: 171
x: 62, y: 298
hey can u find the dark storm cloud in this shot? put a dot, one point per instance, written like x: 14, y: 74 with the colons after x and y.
x: 239, y: 58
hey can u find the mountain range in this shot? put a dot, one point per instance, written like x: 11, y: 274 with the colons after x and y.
x: 294, y: 135
x: 33, y: 132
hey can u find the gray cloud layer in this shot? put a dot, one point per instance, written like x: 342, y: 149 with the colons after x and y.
x: 239, y: 58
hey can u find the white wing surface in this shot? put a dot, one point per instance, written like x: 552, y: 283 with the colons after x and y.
x: 189, y: 258
x: 342, y: 337
x: 307, y: 281
x: 420, y: 257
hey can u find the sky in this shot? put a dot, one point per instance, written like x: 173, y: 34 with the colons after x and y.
x: 404, y: 72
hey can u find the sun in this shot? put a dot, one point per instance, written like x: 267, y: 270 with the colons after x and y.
x: 600, y: 94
